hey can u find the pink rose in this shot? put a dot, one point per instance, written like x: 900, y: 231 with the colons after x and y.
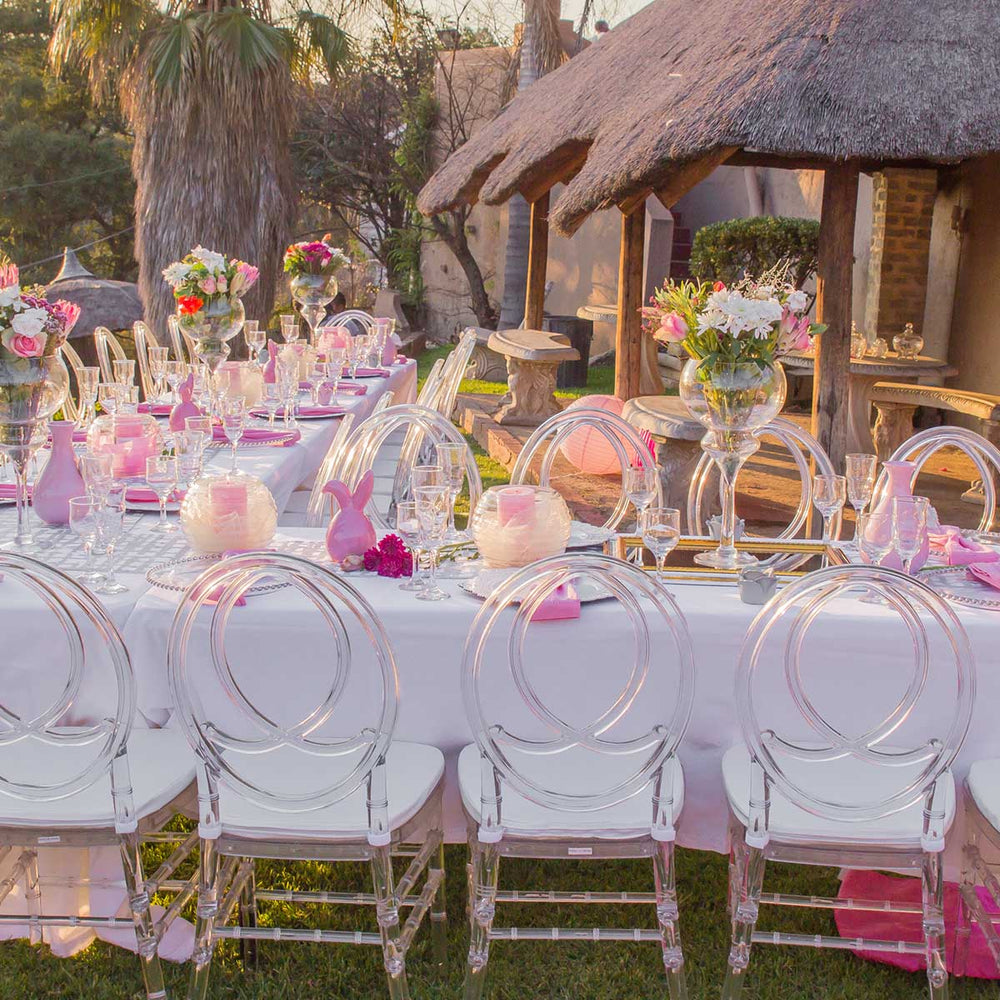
x: 23, y: 345
x: 221, y: 284
x: 207, y: 285
x: 672, y: 327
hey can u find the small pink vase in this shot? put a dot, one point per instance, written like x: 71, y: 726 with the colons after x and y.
x: 60, y: 479
x: 900, y: 476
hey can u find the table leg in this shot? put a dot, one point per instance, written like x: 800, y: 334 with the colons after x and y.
x: 859, y: 431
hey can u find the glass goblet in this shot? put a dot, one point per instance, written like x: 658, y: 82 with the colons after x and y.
x: 202, y: 426
x: 175, y: 372
x: 432, y: 515
x: 408, y: 529
x: 358, y: 353
x: 289, y: 327
x: 189, y: 448
x: 109, y: 396
x: 110, y: 527
x: 909, y: 527
x: 271, y: 399
x: 158, y: 357
x: 828, y: 496
x: 640, y: 487
x: 860, y: 469
x: 96, y: 472
x: 661, y: 531
x: 426, y: 475
x: 234, y: 417
x: 83, y: 524
x: 124, y: 371
x: 874, y: 535
x: 87, y: 382
x: 161, y: 478
x: 317, y: 376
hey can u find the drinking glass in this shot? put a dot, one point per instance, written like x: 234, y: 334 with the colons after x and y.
x: 255, y: 338
x: 161, y: 478
x: 87, y: 382
x: 189, y: 447
x: 317, y: 376
x: 829, y: 494
x: 426, y: 475
x: 909, y: 527
x: 358, y: 352
x: 661, y: 531
x: 175, y: 373
x: 289, y: 327
x: 158, y: 357
x: 109, y: 396
x: 124, y: 371
x: 408, y: 529
x: 110, y: 527
x: 288, y: 387
x: 83, y: 524
x: 432, y: 515
x: 96, y: 473
x: 271, y: 400
x: 860, y: 471
x: 128, y: 401
x: 875, y: 535
x: 234, y: 417
x: 451, y: 458
x: 202, y: 426
x: 640, y: 488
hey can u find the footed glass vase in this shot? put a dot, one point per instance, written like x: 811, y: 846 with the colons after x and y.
x: 733, y: 401
x: 211, y: 328
x: 313, y: 293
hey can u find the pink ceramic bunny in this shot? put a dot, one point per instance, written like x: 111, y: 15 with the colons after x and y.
x: 350, y: 532
x: 185, y: 408
x: 270, y: 366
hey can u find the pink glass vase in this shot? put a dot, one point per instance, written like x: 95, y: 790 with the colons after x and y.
x: 60, y: 479
x: 900, y: 476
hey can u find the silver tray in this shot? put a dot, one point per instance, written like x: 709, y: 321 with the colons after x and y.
x: 178, y: 574
x: 954, y: 584
x: 487, y: 580
x: 584, y: 536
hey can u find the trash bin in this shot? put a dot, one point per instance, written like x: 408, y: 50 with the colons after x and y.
x: 580, y: 333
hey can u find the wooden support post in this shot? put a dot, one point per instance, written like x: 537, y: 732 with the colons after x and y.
x: 538, y: 253
x: 834, y: 282
x: 628, y: 336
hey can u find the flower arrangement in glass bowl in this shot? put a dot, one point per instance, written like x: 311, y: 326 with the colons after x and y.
x: 312, y: 266
x: 733, y: 382
x: 208, y: 288
x: 33, y: 377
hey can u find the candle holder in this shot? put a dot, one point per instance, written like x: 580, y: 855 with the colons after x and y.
x: 515, y: 525
x: 230, y: 511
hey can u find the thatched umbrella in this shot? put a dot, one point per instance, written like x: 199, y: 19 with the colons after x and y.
x: 684, y: 85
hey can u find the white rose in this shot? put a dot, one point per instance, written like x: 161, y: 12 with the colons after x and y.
x: 29, y: 323
x: 9, y: 296
x: 215, y: 262
x: 797, y: 301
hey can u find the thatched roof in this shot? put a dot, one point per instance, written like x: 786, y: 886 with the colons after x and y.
x: 102, y: 301
x: 683, y: 84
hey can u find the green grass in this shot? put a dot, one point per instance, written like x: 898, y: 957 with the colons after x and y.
x: 518, y: 970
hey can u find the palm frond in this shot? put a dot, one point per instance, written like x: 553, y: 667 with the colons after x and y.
x: 321, y: 46
x: 173, y: 51
x: 237, y: 42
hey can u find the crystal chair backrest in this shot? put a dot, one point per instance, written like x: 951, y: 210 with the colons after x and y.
x: 983, y: 454
x: 176, y: 343
x: 71, y: 406
x: 84, y: 751
x: 144, y: 339
x: 429, y: 390
x: 235, y: 733
x: 546, y: 439
x: 316, y: 509
x: 384, y: 401
x: 497, y: 684
x: 899, y: 755
x: 452, y: 374
x: 356, y: 320
x: 108, y: 350
x: 390, y: 443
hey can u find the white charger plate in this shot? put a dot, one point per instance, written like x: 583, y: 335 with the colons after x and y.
x: 954, y: 584
x: 487, y: 580
x: 583, y: 535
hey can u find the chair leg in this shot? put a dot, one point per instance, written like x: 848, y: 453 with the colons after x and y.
x: 33, y: 897
x: 439, y: 915
x: 485, y: 877
x: 667, y: 916
x: 387, y: 914
x: 138, y: 901
x: 963, y: 931
x: 751, y: 880
x: 208, y: 907
x: 933, y: 906
x: 248, y: 918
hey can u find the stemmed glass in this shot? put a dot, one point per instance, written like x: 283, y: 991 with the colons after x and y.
x: 451, y: 458
x: 875, y: 535
x: 829, y: 494
x: 83, y: 524
x: 189, y: 446
x: 255, y: 338
x: 87, y: 381
x: 289, y: 327
x: 860, y: 469
x: 335, y: 359
x: 909, y: 527
x: 96, y: 472
x: 124, y: 371
x: 271, y: 399
x: 158, y: 358
x: 234, y: 416
x: 661, y: 531
x: 109, y: 395
x: 359, y: 351
x: 110, y: 527
x: 432, y: 515
x: 201, y: 425
x: 317, y: 376
x: 161, y: 478
x: 408, y: 529
x: 175, y: 374
x: 640, y: 488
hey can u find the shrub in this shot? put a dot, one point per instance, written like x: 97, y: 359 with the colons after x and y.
x: 728, y: 251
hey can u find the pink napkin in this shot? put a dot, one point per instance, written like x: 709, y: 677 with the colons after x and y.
x: 352, y: 389
x: 143, y: 494
x: 8, y: 491
x: 256, y: 433
x: 373, y: 373
x: 157, y: 409
x: 985, y: 573
x: 562, y: 603
x: 959, y: 551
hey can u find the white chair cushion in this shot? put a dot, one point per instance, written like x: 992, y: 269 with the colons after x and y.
x: 161, y: 765
x: 984, y: 787
x: 524, y: 818
x: 833, y: 779
x: 413, y: 771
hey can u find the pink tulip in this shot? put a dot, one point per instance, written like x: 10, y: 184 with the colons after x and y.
x: 672, y: 327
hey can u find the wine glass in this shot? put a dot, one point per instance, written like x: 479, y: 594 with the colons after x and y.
x: 432, y: 516
x: 234, y: 416
x: 161, y: 478
x: 828, y: 495
x: 254, y: 336
x: 124, y: 371
x: 289, y: 327
x: 158, y: 357
x: 661, y: 531
x: 96, y: 472
x: 875, y: 535
x: 640, y: 488
x: 110, y: 527
x: 288, y: 387
x: 860, y: 469
x: 271, y: 399
x: 202, y: 426
x: 426, y: 475
x: 451, y: 458
x: 909, y: 527
x: 175, y: 373
x: 87, y: 382
x: 359, y: 352
x: 408, y: 529
x: 316, y: 378
x: 189, y: 448
x: 109, y: 396
x: 83, y: 524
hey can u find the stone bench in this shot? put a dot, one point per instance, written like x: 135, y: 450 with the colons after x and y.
x: 532, y: 359
x: 678, y: 441
x: 485, y: 364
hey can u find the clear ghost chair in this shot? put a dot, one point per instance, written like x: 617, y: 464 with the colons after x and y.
x: 108, y: 350
x: 390, y: 443
x: 316, y: 776
x: 562, y: 769
x: 429, y: 390
x: 452, y: 373
x: 75, y: 773
x: 823, y: 778
x: 384, y: 401
x: 980, y: 861
x: 983, y: 454
x: 545, y: 440
x: 176, y: 342
x: 71, y: 406
x: 356, y: 320
x: 144, y: 339
x: 808, y: 456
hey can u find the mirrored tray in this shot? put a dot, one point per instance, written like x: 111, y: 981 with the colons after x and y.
x: 487, y: 580
x: 954, y: 584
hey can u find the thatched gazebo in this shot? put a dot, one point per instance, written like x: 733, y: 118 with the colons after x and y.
x: 843, y: 86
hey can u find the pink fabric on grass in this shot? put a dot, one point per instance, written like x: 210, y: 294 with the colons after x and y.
x: 906, y: 926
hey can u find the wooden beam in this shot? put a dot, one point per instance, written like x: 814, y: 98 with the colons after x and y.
x: 834, y: 285
x: 628, y: 336
x: 538, y: 254
x: 686, y: 175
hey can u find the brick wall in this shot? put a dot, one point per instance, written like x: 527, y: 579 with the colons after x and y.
x: 902, y: 210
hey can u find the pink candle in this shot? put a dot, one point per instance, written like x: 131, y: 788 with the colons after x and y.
x: 229, y: 498
x: 516, y: 502
x: 128, y: 459
x: 129, y: 426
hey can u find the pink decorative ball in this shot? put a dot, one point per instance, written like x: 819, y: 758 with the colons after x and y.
x: 590, y: 450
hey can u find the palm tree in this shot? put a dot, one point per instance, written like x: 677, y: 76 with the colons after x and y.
x: 540, y: 52
x: 207, y: 87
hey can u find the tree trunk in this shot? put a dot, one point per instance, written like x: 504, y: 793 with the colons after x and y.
x: 453, y: 236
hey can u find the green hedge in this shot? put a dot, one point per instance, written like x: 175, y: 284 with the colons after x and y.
x: 729, y: 251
